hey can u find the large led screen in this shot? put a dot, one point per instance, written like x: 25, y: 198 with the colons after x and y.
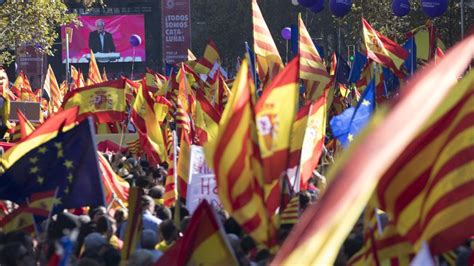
x: 108, y: 37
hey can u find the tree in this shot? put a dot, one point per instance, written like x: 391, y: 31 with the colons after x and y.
x: 33, y: 22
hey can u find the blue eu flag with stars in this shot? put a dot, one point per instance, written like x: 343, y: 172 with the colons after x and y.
x: 350, y: 122
x: 67, y: 162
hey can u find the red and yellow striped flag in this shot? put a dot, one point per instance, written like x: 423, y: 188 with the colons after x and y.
x: 183, y: 163
x: 312, y: 69
x: 322, y: 229
x: 22, y: 89
x: 26, y: 127
x: 171, y: 190
x: 275, y: 111
x: 219, y: 92
x: 115, y: 187
x: 52, y: 89
x: 231, y: 156
x: 428, y: 189
x: 211, y: 56
x: 133, y: 229
x: 93, y: 76
x: 291, y: 213
x: 204, y: 236
x: 134, y: 147
x: 268, y: 57
x: 383, y: 50
x: 77, y: 78
x: 104, y: 101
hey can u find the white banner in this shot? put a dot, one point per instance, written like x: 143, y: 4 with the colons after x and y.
x: 201, y: 182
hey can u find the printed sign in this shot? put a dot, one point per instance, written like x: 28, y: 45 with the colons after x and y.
x: 176, y: 30
x: 202, y: 181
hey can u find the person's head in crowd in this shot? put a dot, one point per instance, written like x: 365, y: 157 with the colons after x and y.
x: 144, y: 163
x: 120, y: 215
x: 304, y: 199
x: 141, y: 257
x: 148, y: 204
x: 96, y: 213
x: 156, y: 192
x: 64, y: 223
x: 94, y: 242
x: 110, y: 255
x: 183, y: 211
x: 144, y: 182
x: 149, y: 239
x: 15, y: 254
x: 163, y: 212
x: 106, y: 226
x: 169, y: 232
x: 262, y: 257
x: 184, y: 224
x: 248, y: 246
x: 232, y: 227
x: 20, y: 237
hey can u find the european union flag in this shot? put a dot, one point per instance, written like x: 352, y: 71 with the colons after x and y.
x: 391, y: 82
x: 359, y: 62
x: 342, y: 70
x: 67, y: 162
x: 348, y: 124
x: 410, y: 62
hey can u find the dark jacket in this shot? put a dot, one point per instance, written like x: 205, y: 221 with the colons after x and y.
x: 95, y: 45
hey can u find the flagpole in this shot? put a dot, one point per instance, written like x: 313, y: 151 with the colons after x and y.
x: 175, y: 176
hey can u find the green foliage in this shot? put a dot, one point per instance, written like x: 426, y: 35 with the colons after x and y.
x: 33, y: 22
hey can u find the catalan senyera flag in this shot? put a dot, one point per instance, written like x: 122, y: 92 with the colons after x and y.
x: 291, y: 213
x: 322, y: 229
x: 104, y: 75
x: 134, y: 147
x: 415, y: 188
x: 133, y: 229
x: 211, y: 55
x: 51, y: 87
x: 221, y: 92
x: 22, y: 89
x: 383, y: 50
x: 312, y: 69
x: 231, y: 156
x: 268, y: 57
x: 103, y: 101
x: 154, y: 81
x: 275, y: 111
x: 93, y: 76
x: 207, y: 120
x: 77, y: 78
x: 115, y: 187
x: 203, y: 236
x: 171, y: 189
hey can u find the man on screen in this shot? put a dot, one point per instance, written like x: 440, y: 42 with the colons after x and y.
x: 100, y: 40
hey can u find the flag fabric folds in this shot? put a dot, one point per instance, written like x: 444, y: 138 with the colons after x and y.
x: 115, y: 187
x: 265, y: 49
x: 211, y: 56
x: 203, y: 243
x: 103, y: 101
x: 322, y: 229
x: 51, y: 88
x: 26, y: 127
x: 134, y: 223
x: 428, y: 189
x: 68, y: 161
x: 347, y: 125
x: 275, y: 111
x: 231, y: 155
x: 312, y: 69
x: 93, y: 76
x: 383, y: 50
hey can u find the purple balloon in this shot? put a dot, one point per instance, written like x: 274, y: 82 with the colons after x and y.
x: 135, y: 40
x: 318, y: 7
x: 307, y: 3
x: 434, y: 8
x: 400, y: 8
x: 340, y: 8
x: 286, y: 33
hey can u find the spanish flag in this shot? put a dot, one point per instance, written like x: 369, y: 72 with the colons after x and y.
x: 317, y: 238
x: 211, y: 55
x: 204, y: 242
x: 26, y: 127
x: 231, y: 155
x: 104, y: 101
x: 275, y: 111
x: 312, y: 69
x: 115, y: 187
x: 207, y: 120
x: 383, y: 50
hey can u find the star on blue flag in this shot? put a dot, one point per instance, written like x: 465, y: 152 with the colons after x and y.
x: 350, y: 122
x: 67, y: 162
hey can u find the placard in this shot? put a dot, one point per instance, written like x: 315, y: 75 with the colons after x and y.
x: 176, y: 30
